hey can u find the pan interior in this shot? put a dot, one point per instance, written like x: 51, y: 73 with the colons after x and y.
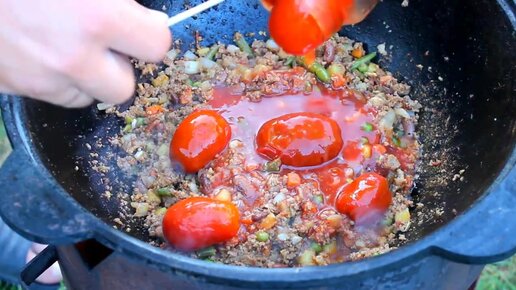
x: 456, y: 57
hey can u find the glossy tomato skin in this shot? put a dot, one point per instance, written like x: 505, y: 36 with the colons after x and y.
x: 198, y: 139
x: 300, y: 139
x: 198, y: 222
x: 366, y: 198
x: 300, y: 26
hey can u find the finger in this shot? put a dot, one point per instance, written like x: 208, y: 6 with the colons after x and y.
x: 109, y: 77
x: 69, y: 97
x: 140, y: 32
x: 80, y: 100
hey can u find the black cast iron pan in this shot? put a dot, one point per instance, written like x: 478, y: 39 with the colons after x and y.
x: 467, y: 84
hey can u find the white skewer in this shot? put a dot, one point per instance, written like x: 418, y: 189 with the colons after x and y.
x: 192, y: 11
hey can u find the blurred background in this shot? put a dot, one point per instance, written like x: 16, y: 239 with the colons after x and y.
x: 499, y: 276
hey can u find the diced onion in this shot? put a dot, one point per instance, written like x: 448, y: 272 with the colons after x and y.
x: 104, y: 106
x: 272, y: 45
x: 278, y: 198
x: 282, y: 237
x: 189, y: 55
x: 172, y: 54
x: 207, y: 63
x: 402, y: 113
x: 387, y: 122
x: 233, y: 48
x: 191, y: 67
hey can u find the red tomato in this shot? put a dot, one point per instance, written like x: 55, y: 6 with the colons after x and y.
x: 331, y: 181
x: 365, y: 198
x: 352, y: 151
x: 198, y: 222
x: 300, y: 139
x: 300, y: 26
x: 198, y: 139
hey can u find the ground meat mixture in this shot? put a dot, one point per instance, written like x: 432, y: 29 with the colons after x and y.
x: 288, y: 217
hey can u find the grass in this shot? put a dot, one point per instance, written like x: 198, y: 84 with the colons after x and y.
x: 498, y: 276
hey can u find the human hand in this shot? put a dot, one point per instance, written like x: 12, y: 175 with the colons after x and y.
x: 71, y: 52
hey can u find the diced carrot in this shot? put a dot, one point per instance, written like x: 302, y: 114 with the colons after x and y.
x: 155, y: 109
x: 310, y: 58
x: 268, y: 222
x: 358, y: 52
x: 380, y: 148
x: 367, y: 151
x: 338, y: 81
x: 293, y: 180
x: 223, y: 195
x: 246, y: 221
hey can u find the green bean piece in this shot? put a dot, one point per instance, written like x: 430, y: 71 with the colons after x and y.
x: 128, y: 128
x: 291, y: 61
x: 243, y: 45
x: 363, y: 61
x: 396, y: 141
x: 318, y: 69
x: 128, y: 120
x: 316, y: 247
x: 367, y: 127
x: 206, y: 253
x: 165, y: 191
x: 140, y: 122
x: 213, y: 52
x: 262, y: 236
x: 318, y: 199
x: 273, y: 166
x: 363, y: 68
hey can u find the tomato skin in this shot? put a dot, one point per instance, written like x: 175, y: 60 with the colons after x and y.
x: 198, y: 222
x: 366, y: 197
x: 300, y: 139
x: 198, y: 139
x: 300, y: 26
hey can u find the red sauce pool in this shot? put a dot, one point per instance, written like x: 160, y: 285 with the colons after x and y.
x: 246, y: 118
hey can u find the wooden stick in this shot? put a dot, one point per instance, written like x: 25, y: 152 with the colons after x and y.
x: 192, y: 11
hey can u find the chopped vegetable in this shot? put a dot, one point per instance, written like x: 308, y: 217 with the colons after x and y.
x: 160, y: 211
x: 154, y: 109
x: 273, y: 166
x: 396, y: 141
x: 164, y: 191
x: 307, y: 258
x: 268, y: 222
x: 363, y: 60
x: 367, y: 127
x: 206, y: 253
x: 104, y: 106
x: 318, y: 199
x: 358, y: 52
x: 223, y: 195
x: 291, y: 61
x: 367, y: 151
x: 243, y: 45
x: 316, y: 247
x: 192, y: 67
x: 262, y: 236
x: 363, y: 68
x: 161, y: 80
x: 336, y: 69
x: 318, y: 69
x: 142, y: 208
x: 213, y: 52
x: 293, y: 180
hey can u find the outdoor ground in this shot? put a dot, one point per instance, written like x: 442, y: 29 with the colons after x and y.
x: 499, y: 276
